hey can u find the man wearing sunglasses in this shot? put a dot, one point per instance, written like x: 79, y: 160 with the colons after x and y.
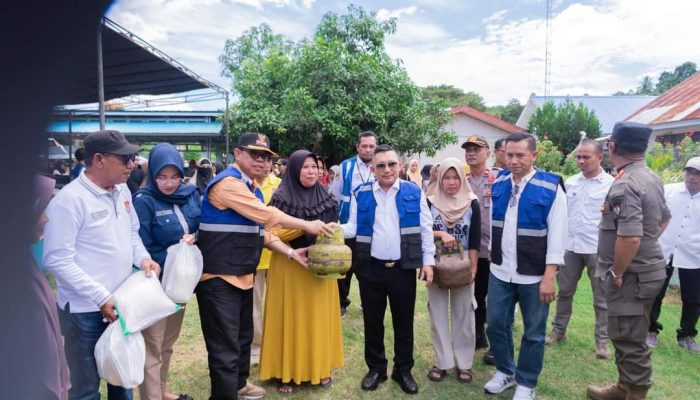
x: 231, y: 236
x: 393, y: 229
x: 91, y: 242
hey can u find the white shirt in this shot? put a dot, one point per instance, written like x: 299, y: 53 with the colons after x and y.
x: 682, y: 237
x: 556, y: 237
x: 386, y: 233
x: 360, y: 174
x: 584, y: 198
x: 91, y: 242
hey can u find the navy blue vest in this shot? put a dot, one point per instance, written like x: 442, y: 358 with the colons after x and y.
x: 408, y: 207
x: 230, y: 243
x: 533, y: 208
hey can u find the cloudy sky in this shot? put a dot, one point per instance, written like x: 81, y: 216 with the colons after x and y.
x: 493, y: 47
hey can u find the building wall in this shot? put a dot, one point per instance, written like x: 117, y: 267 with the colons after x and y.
x: 465, y: 126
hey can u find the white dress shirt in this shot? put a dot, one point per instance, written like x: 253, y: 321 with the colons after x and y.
x: 682, y: 237
x: 584, y: 198
x: 91, y: 242
x: 556, y: 237
x: 360, y: 174
x: 386, y: 233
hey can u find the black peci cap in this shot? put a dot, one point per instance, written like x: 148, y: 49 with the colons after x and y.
x: 631, y: 136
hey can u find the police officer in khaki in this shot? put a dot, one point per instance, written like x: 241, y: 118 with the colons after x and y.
x: 634, y: 216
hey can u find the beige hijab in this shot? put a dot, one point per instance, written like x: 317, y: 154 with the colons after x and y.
x: 452, y: 207
x: 414, y: 177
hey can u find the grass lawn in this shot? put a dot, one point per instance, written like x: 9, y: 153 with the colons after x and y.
x: 568, y: 367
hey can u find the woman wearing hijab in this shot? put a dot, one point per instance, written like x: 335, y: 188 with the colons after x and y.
x: 52, y: 379
x: 203, y: 175
x: 413, y: 174
x: 168, y: 212
x: 456, y: 218
x: 302, y: 334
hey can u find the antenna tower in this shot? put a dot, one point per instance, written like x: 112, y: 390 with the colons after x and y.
x: 547, y: 50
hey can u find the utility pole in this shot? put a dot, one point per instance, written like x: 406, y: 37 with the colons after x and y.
x: 547, y: 51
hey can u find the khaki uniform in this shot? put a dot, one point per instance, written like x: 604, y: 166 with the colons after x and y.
x: 634, y: 206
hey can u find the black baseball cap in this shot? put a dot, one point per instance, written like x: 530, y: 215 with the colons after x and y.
x: 255, y: 141
x: 112, y: 142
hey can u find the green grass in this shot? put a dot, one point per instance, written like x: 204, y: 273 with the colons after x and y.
x: 568, y: 367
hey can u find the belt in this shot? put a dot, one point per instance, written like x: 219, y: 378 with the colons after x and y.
x: 386, y: 263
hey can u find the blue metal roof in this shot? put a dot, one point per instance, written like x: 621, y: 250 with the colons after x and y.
x: 140, y: 128
x: 608, y: 109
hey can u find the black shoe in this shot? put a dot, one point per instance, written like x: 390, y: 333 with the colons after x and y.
x: 372, y: 380
x: 343, y: 311
x: 488, y: 358
x: 406, y: 381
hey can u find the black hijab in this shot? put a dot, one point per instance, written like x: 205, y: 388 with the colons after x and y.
x: 309, y: 204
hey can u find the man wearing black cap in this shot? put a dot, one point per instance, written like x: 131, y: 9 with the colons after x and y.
x: 634, y: 216
x: 231, y: 236
x: 481, y: 177
x: 91, y: 242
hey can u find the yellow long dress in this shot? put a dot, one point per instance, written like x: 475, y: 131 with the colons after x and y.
x: 302, y: 334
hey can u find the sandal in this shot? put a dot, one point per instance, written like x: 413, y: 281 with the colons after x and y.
x: 436, y: 374
x: 465, y: 375
x: 285, y: 388
x: 326, y: 382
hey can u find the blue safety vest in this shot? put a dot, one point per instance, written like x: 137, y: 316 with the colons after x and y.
x: 230, y: 243
x: 408, y: 206
x: 534, y: 205
x: 346, y: 168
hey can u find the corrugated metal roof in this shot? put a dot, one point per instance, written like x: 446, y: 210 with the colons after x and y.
x: 155, y: 128
x: 680, y: 103
x: 608, y: 109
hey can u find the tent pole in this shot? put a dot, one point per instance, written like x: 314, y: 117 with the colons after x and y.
x: 226, y: 132
x: 100, y: 77
x: 70, y: 138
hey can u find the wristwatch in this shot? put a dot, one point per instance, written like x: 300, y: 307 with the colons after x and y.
x: 611, y: 274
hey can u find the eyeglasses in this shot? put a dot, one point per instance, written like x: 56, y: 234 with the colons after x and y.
x: 258, y: 155
x: 514, y: 196
x: 124, y: 158
x: 165, y: 180
x: 390, y: 164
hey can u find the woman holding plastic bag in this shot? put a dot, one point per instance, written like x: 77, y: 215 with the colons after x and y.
x: 168, y: 212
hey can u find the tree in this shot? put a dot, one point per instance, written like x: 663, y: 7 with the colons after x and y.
x: 548, y: 156
x: 667, y: 80
x: 646, y: 86
x: 509, y: 113
x: 454, y: 96
x: 319, y: 93
x: 563, y: 124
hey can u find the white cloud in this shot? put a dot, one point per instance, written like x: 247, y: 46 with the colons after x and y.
x: 495, y: 17
x: 594, y: 50
x: 383, y: 14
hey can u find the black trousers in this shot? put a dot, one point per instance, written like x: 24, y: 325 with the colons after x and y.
x: 344, y: 284
x: 690, y: 296
x: 398, y: 285
x: 481, y: 289
x: 226, y: 314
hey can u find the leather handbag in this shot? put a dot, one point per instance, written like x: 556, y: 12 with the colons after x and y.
x: 452, y: 266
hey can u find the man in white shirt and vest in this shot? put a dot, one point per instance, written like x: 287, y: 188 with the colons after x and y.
x: 585, y: 193
x: 528, y: 239
x: 91, y: 244
x: 393, y: 228
x: 681, y: 246
x: 354, y: 171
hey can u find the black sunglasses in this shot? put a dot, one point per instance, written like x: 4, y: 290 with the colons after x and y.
x: 124, y: 158
x: 258, y: 155
x: 390, y: 164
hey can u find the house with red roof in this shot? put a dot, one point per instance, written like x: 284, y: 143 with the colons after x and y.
x: 469, y: 121
x: 675, y: 113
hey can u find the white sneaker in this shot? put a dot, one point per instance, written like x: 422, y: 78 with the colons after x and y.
x: 688, y: 343
x: 524, y: 393
x: 499, y: 382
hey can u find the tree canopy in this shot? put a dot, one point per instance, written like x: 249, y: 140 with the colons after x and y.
x: 562, y: 125
x: 665, y: 81
x: 319, y: 93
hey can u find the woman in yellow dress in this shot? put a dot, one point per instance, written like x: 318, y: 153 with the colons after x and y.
x: 302, y: 334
